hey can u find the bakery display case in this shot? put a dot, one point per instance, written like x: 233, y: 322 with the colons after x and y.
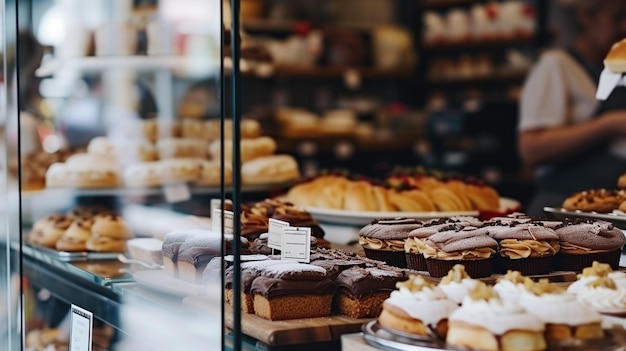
x: 155, y: 202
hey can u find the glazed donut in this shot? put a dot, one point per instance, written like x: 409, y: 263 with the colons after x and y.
x: 598, y: 200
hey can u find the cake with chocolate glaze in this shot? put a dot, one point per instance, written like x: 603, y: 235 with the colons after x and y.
x: 414, y: 244
x: 564, y: 316
x: 196, y: 252
x: 384, y: 239
x: 249, y: 272
x: 362, y: 291
x: 171, y: 244
x: 459, y: 244
x: 583, y: 241
x: 291, y: 291
x: 485, y: 322
x: 527, y: 247
x: 418, y: 308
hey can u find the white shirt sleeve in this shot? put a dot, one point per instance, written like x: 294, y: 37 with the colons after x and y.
x: 544, y: 101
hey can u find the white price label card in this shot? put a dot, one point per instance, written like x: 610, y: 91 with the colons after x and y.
x: 296, y: 244
x: 81, y: 329
x: 228, y: 221
x: 215, y: 204
x: 176, y: 192
x: 275, y: 233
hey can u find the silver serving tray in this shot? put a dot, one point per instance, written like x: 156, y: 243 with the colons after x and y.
x: 65, y: 256
x: 618, y: 218
x: 614, y: 340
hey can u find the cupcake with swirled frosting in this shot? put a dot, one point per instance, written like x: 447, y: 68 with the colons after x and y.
x: 566, y: 318
x: 583, y: 241
x: 596, y: 271
x: 418, y: 308
x: 527, y: 247
x: 485, y: 322
x: 604, y: 296
x: 458, y: 244
x: 384, y: 239
x: 415, y: 243
x: 457, y: 284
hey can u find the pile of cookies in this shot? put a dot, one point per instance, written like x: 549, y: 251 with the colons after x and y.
x: 186, y: 152
x: 83, y: 229
x: 599, y: 200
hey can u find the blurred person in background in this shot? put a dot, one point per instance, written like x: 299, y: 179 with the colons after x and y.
x: 574, y: 141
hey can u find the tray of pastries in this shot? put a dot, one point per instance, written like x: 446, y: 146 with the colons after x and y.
x: 336, y: 198
x: 84, y: 233
x: 605, y: 204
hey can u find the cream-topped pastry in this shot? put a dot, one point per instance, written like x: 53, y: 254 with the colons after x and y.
x: 511, y: 286
x: 594, y: 272
x: 417, y: 307
x: 565, y: 317
x: 604, y: 296
x: 457, y: 284
x: 485, y: 322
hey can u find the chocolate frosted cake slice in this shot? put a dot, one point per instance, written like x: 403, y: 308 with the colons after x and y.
x: 362, y: 291
x: 291, y: 291
x: 196, y: 252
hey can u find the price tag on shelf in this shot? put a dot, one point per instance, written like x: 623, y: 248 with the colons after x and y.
x: 215, y: 204
x: 228, y: 221
x: 296, y: 244
x: 275, y: 233
x: 176, y: 192
x: 81, y: 329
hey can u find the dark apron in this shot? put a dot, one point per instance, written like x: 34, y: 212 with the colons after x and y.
x: 592, y: 168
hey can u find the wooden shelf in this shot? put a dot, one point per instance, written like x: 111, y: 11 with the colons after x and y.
x: 433, y: 4
x: 479, y: 44
x: 332, y: 72
x: 514, y: 76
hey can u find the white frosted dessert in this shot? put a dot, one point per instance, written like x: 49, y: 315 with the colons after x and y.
x: 597, y: 270
x: 457, y: 284
x: 565, y: 316
x: 486, y: 322
x: 417, y: 307
x: 604, y: 296
x: 511, y: 286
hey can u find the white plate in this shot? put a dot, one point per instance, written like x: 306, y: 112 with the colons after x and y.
x: 160, y: 281
x: 361, y: 218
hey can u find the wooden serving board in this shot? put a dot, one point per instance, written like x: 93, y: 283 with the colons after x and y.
x: 287, y: 332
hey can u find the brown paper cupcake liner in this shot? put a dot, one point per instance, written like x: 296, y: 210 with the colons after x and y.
x: 526, y: 266
x: 475, y: 268
x: 576, y: 263
x: 391, y: 258
x: 416, y: 261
